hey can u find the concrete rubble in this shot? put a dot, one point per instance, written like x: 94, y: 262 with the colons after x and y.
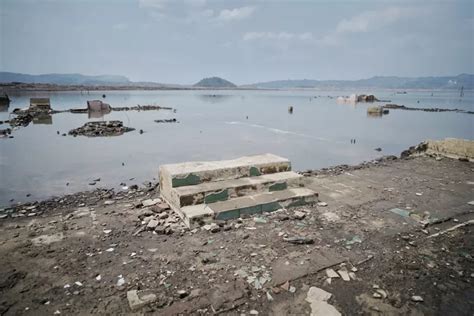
x: 101, y: 129
x: 317, y: 298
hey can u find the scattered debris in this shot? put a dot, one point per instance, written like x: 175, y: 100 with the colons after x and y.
x: 470, y: 222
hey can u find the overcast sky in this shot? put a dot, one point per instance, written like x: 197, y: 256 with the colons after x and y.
x: 181, y: 41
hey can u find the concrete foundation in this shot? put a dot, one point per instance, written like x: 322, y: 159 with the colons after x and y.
x: 201, y: 192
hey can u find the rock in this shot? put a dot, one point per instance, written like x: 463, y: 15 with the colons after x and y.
x: 285, y: 286
x: 317, y: 298
x: 160, y: 230
x: 213, y: 227
x: 331, y: 273
x: 152, y: 224
x: 150, y: 202
x: 139, y: 299
x: 259, y: 220
x: 299, y: 240
x: 330, y: 216
x: 344, y: 275
x: 3, y: 216
x: 120, y: 281
x: 416, y: 298
x: 182, y: 293
x: 163, y: 215
x: 383, y: 293
x: 299, y: 215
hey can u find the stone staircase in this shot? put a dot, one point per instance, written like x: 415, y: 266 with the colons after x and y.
x: 201, y: 192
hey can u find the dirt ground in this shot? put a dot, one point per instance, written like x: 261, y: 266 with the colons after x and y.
x: 80, y: 254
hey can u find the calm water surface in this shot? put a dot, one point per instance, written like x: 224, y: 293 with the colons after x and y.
x: 213, y: 125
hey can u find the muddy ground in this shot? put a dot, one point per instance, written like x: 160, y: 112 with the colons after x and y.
x: 80, y: 254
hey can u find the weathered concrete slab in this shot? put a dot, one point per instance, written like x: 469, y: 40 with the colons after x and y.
x: 197, y: 215
x: 452, y: 147
x: 192, y: 173
x: 290, y: 267
x: 211, y: 192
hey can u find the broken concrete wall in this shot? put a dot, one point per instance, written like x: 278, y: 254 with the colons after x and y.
x: 98, y: 106
x: 452, y: 147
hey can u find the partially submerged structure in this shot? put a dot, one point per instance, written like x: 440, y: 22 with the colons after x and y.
x: 376, y: 111
x: 40, y: 103
x: 98, y: 106
x: 201, y: 192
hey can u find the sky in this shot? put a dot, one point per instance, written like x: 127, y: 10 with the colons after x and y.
x: 182, y: 41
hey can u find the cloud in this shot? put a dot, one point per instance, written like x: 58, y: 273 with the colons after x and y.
x: 154, y: 4
x: 365, y: 22
x: 285, y: 36
x: 371, y: 20
x: 236, y: 14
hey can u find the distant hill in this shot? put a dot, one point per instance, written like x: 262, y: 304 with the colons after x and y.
x: 215, y: 82
x: 446, y: 82
x: 63, y: 79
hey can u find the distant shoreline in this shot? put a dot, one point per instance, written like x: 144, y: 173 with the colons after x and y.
x: 44, y: 87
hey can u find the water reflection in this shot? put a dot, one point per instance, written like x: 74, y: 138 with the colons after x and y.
x: 43, y: 119
x: 98, y: 114
x: 4, y: 107
x: 214, y: 98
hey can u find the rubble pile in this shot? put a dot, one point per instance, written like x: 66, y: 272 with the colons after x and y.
x: 141, y: 108
x: 98, y: 129
x: 403, y: 107
x: 156, y: 216
x: 173, y: 120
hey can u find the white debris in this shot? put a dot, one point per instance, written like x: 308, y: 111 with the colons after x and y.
x: 269, y: 297
x: 322, y: 204
x: 78, y: 283
x: 292, y: 289
x: 331, y: 273
x: 67, y: 286
x: 98, y: 278
x: 110, y: 250
x: 419, y: 194
x: 344, y: 275
x: 318, y: 298
x: 150, y: 202
x: 107, y: 231
x: 120, y: 281
x: 416, y: 298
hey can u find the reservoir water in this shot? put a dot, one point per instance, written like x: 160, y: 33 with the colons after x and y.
x: 213, y: 124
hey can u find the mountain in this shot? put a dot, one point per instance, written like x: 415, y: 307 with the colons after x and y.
x: 63, y: 79
x: 215, y: 82
x: 446, y: 82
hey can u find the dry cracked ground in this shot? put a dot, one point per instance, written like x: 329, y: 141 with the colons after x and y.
x: 393, y: 238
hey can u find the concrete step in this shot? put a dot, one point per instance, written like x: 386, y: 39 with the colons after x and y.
x: 197, y: 215
x: 211, y: 192
x: 192, y: 173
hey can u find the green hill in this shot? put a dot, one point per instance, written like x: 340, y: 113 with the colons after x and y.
x: 215, y: 82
